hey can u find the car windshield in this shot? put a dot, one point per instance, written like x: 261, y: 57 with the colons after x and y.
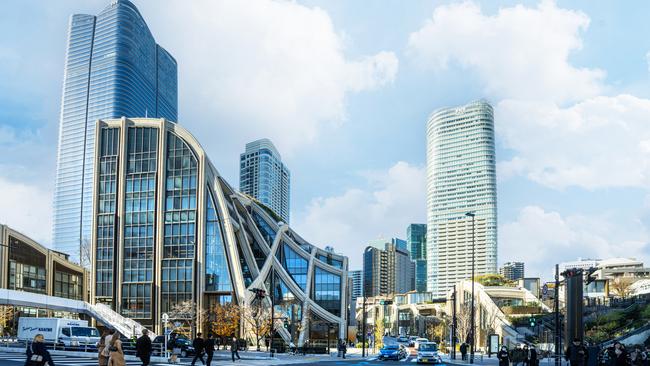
x: 402, y: 339
x: 390, y: 347
x: 428, y: 347
x: 422, y: 340
x: 85, y: 332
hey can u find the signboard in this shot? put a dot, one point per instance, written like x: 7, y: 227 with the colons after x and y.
x: 545, y: 291
x: 494, y: 343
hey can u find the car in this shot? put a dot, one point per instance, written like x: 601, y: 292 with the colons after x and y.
x: 417, y: 342
x: 403, y: 340
x: 392, y: 352
x: 181, y: 342
x: 412, y: 341
x: 428, y: 353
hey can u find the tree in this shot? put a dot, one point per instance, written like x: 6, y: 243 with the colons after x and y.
x: 185, y: 312
x: 621, y: 286
x: 464, y: 321
x: 6, y: 317
x: 223, y: 319
x: 379, y: 332
x: 492, y: 279
x: 257, y: 318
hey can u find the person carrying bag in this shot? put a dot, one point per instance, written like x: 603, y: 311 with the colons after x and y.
x: 37, y: 353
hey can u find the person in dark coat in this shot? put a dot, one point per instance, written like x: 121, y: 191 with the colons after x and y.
x: 503, y: 356
x: 344, y: 348
x: 463, y: 351
x: 617, y: 355
x: 532, y: 356
x: 199, y: 344
x: 234, y: 347
x: 209, y: 349
x: 143, y: 348
x: 37, y: 353
x: 576, y: 353
x: 526, y: 356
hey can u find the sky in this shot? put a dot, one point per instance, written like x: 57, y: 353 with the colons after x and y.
x: 344, y: 89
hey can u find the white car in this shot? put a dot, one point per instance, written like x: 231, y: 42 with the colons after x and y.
x: 428, y: 353
x: 418, y: 341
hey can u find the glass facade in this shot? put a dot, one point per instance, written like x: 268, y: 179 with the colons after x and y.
x: 113, y: 68
x: 139, y: 218
x: 105, y: 242
x: 416, y: 238
x: 265, y: 229
x: 461, y: 178
x: 217, y: 277
x: 327, y: 291
x: 180, y: 223
x: 295, y: 265
x: 263, y: 175
x: 68, y: 285
x: 287, y: 306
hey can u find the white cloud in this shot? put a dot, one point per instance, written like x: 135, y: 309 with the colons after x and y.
x: 519, y: 52
x: 27, y: 208
x: 264, y: 68
x: 347, y: 221
x: 556, y: 239
x: 599, y: 142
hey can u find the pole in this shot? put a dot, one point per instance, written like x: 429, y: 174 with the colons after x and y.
x: 472, y: 326
x: 556, y: 303
x: 454, y: 324
x: 363, y: 330
x: 272, y: 311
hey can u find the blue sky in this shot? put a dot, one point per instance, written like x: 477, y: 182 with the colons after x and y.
x: 344, y: 89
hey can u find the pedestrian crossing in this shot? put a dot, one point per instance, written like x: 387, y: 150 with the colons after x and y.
x: 18, y: 359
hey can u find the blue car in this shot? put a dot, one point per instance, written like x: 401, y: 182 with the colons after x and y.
x: 392, y: 352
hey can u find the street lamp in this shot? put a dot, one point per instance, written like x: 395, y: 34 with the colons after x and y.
x: 472, y: 315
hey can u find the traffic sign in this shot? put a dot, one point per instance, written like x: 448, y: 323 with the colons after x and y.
x: 545, y: 289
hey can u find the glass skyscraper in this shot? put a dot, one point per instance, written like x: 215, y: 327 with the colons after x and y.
x: 263, y: 175
x: 113, y: 68
x: 461, y: 178
x: 416, y: 237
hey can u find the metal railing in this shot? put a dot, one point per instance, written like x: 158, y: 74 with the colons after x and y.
x: 128, y: 346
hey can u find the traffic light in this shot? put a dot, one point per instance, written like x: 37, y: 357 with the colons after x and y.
x: 533, y: 321
x: 385, y: 302
x: 286, y: 324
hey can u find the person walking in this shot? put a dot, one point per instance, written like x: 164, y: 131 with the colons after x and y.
x: 576, y: 353
x: 533, y: 358
x: 209, y: 349
x: 463, y: 351
x: 116, y: 357
x: 171, y: 347
x: 344, y: 348
x: 199, y: 344
x: 101, y: 345
x: 636, y: 357
x: 37, y: 353
x: 143, y: 348
x: 234, y: 347
x: 503, y: 356
x: 105, y: 353
x: 525, y: 355
x: 617, y: 355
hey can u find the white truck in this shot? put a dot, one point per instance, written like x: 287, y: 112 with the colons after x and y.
x: 68, y: 332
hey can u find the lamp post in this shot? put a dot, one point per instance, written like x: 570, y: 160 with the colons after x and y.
x: 472, y: 315
x: 363, y: 329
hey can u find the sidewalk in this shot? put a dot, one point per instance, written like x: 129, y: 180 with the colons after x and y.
x: 484, y: 360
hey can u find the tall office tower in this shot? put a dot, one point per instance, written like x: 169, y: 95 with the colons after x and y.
x: 113, y: 68
x: 461, y: 179
x: 357, y: 283
x: 387, y: 271
x: 263, y: 175
x: 512, y: 270
x: 416, y: 237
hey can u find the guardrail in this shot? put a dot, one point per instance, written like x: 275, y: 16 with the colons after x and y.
x: 128, y: 346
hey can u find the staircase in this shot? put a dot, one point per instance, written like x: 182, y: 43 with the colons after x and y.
x: 128, y: 327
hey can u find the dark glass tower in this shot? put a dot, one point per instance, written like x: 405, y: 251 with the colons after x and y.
x: 113, y: 68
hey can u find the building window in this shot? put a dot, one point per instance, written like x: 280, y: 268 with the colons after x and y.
x: 217, y: 277
x: 68, y: 285
x: 180, y: 223
x: 327, y: 291
x: 105, y: 233
x: 139, y: 221
x: 294, y: 264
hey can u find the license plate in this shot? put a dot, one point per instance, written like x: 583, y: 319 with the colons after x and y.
x: 425, y: 360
